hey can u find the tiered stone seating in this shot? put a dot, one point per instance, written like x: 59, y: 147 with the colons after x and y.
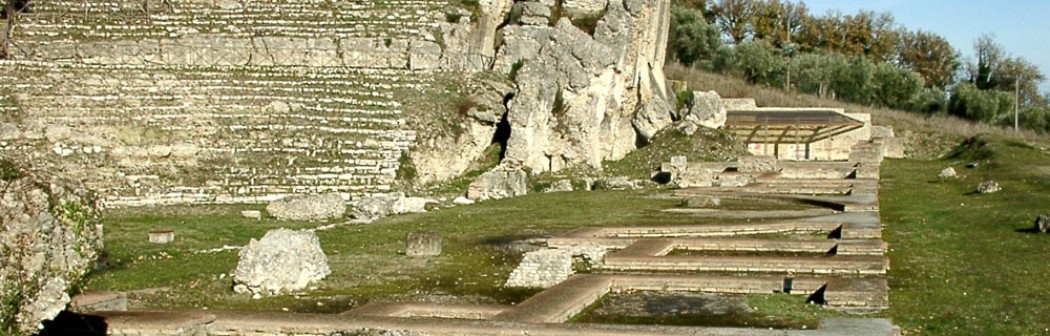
x: 262, y: 131
x: 63, y: 19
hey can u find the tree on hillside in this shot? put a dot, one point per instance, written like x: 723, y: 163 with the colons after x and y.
x: 970, y: 102
x: 994, y: 70
x: 989, y: 57
x: 931, y: 56
x: 733, y: 17
x: 693, y: 38
x: 777, y: 22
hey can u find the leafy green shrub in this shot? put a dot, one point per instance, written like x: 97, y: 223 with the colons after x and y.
x: 8, y: 170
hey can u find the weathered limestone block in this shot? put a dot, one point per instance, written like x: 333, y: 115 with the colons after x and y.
x: 705, y: 109
x: 543, y: 269
x: 652, y: 117
x: 502, y: 182
x: 381, y: 205
x: 733, y: 180
x: 50, y: 239
x: 377, y: 205
x: 694, y: 178
x: 583, y: 8
x: 283, y: 261
x: 988, y: 187
x: 424, y: 55
x: 9, y: 132
x: 947, y: 173
x: 738, y: 104
x: 253, y: 214
x: 1042, y: 223
x: 615, y: 183
x: 423, y: 243
x: 757, y: 164
x: 702, y: 202
x: 534, y: 13
x: 560, y: 186
x: 317, y: 207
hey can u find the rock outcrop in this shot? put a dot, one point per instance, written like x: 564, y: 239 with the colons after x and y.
x: 308, y: 207
x: 584, y: 98
x: 283, y: 261
x: 50, y: 239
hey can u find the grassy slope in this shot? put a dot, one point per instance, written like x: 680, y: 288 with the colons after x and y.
x: 928, y: 136
x: 962, y: 262
x: 366, y: 260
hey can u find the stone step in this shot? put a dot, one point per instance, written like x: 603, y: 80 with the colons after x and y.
x: 838, y: 265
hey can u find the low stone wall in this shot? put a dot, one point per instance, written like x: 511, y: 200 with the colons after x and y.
x: 543, y: 268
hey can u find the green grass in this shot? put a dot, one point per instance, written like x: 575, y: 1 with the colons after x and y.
x: 963, y: 263
x: 704, y: 145
x: 777, y: 311
x: 366, y: 260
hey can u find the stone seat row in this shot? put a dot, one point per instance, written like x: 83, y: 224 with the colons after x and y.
x: 248, y: 28
x: 171, y: 122
x: 162, y: 89
x: 75, y: 6
x: 211, y: 87
x: 105, y: 99
x: 375, y: 86
x: 260, y: 71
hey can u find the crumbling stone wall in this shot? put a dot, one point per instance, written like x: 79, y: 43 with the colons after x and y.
x: 50, y: 238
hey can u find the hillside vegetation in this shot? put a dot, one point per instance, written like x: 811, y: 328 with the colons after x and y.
x: 927, y: 136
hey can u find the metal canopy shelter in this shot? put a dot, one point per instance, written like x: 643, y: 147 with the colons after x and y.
x: 790, y: 126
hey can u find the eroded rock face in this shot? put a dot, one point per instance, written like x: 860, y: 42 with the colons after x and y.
x: 50, y: 239
x: 584, y: 98
x: 283, y: 261
x: 317, y: 207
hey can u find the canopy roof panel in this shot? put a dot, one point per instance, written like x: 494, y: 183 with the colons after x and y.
x: 799, y: 126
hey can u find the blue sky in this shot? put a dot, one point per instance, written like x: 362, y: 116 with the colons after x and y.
x: 1022, y: 27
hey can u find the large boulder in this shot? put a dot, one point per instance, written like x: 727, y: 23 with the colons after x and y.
x: 50, y: 239
x: 282, y: 261
x: 507, y: 180
x: 1042, y: 223
x: 988, y: 187
x: 947, y: 173
x: 316, y: 207
x: 705, y: 109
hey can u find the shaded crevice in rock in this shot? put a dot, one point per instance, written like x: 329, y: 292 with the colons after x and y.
x: 502, y: 134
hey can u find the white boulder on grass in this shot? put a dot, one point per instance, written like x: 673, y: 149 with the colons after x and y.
x: 283, y: 261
